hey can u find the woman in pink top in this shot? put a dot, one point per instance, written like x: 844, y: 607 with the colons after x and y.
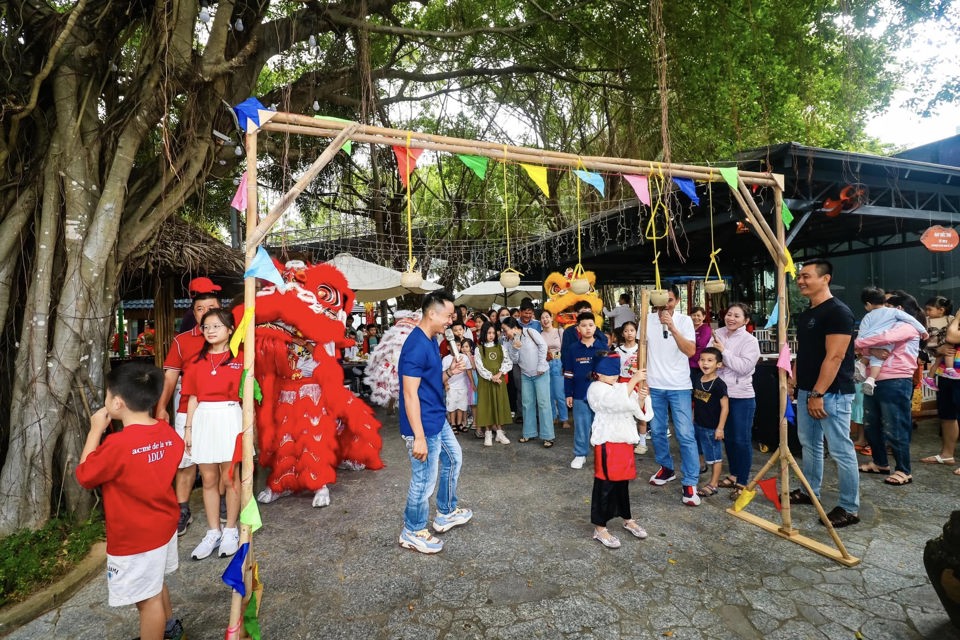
x: 741, y: 352
x: 886, y: 414
x: 704, y: 333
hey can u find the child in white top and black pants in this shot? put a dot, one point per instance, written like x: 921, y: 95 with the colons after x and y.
x: 616, y: 406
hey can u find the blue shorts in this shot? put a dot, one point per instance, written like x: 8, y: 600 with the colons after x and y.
x: 711, y: 448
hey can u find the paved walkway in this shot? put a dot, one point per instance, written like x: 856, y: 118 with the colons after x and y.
x: 527, y: 568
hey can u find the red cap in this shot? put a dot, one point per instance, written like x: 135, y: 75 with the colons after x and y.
x: 202, y: 285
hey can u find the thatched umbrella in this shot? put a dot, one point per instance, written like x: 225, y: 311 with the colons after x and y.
x: 164, y: 265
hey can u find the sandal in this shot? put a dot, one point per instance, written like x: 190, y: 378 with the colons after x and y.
x: 736, y: 492
x: 937, y: 459
x: 565, y: 425
x: 840, y: 517
x: 797, y: 496
x: 547, y: 444
x: 898, y: 479
x: 633, y: 527
x: 956, y: 471
x: 872, y: 468
x: 524, y: 439
x: 863, y: 449
x: 707, y: 490
x: 727, y: 483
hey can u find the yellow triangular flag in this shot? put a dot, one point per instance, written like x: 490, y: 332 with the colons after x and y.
x: 539, y: 176
x: 746, y: 495
x: 789, y: 267
x: 240, y: 332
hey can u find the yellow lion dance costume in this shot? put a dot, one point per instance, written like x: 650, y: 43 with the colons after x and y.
x: 560, y: 298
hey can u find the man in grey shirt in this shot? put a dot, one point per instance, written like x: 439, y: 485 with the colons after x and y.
x: 527, y: 348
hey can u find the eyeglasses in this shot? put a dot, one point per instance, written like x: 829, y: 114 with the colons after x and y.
x: 211, y: 327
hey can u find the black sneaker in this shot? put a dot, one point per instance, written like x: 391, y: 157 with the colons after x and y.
x: 662, y: 476
x: 840, y: 518
x: 185, y: 519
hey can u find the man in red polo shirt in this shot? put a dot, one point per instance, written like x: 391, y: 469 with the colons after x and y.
x: 183, y: 353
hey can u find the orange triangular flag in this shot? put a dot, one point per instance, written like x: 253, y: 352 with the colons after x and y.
x: 406, y: 161
x: 769, y: 488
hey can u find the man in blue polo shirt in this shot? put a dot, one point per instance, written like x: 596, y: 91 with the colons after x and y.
x: 423, y: 425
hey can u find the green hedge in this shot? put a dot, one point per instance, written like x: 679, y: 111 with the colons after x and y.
x: 31, y: 560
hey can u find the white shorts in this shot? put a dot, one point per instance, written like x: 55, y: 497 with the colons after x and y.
x: 179, y: 422
x: 135, y: 578
x: 215, y: 429
x: 456, y: 399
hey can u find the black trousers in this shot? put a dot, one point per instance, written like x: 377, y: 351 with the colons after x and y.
x: 611, y: 499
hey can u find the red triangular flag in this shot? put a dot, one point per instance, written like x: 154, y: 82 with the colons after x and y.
x: 237, y: 454
x: 769, y: 488
x: 406, y: 161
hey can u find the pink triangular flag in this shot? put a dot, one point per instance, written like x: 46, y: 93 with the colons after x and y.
x: 406, y: 161
x: 641, y: 187
x: 783, y: 362
x: 239, y: 201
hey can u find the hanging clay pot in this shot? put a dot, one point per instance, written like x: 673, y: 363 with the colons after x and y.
x: 509, y: 279
x: 411, y: 280
x: 659, y: 297
x: 714, y: 286
x: 580, y: 286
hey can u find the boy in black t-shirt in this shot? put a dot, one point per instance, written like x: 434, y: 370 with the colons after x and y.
x: 710, y: 409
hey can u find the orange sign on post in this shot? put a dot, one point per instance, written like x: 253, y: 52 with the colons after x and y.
x: 938, y: 238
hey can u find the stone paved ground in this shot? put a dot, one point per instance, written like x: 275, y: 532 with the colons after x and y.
x: 527, y: 568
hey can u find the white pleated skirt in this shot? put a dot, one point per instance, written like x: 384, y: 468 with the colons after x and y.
x: 215, y: 429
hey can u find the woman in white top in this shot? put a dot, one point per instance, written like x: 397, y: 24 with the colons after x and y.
x: 553, y: 336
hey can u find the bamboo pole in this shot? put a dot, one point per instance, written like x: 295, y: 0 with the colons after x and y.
x: 642, y: 338
x: 748, y: 198
x: 783, y: 388
x: 323, y: 123
x: 513, y: 154
x: 256, y: 236
x: 246, y: 466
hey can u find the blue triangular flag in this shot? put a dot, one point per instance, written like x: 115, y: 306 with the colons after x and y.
x: 686, y: 185
x: 774, y: 316
x: 595, y: 180
x: 251, y: 114
x: 789, y: 413
x: 233, y: 575
x: 262, y: 267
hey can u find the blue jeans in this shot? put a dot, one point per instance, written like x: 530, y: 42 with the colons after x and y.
x: 536, y: 406
x: 582, y: 423
x: 887, y: 419
x: 738, y: 437
x: 557, y: 399
x: 836, y: 428
x: 444, y: 449
x: 679, y: 404
x: 708, y: 444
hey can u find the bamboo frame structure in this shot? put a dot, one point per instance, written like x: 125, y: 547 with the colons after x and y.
x: 340, y: 132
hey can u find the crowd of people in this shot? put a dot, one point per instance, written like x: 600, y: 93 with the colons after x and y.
x: 462, y: 372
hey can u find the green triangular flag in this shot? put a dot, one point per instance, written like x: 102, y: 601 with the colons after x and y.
x: 251, y: 516
x: 257, y: 393
x: 348, y: 145
x: 477, y: 164
x: 785, y: 215
x: 730, y: 174
x: 250, y: 622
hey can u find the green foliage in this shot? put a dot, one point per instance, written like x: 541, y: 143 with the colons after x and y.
x: 31, y: 560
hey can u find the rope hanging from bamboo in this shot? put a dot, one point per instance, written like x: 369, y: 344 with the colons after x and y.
x: 506, y: 215
x: 658, y: 184
x: 713, y: 249
x: 411, y: 261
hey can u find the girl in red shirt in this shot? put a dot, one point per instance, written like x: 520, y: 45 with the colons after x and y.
x: 214, y: 418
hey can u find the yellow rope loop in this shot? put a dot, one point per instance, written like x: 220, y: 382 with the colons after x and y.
x: 656, y: 268
x: 506, y: 215
x: 713, y: 249
x: 579, y: 251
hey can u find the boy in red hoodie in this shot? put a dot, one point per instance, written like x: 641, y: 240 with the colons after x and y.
x: 134, y: 469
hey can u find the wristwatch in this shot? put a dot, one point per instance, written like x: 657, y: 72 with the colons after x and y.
x: 814, y: 394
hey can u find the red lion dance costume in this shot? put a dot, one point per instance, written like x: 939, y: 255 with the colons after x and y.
x: 308, y: 423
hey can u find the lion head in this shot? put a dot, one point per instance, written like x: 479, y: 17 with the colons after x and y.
x: 561, y: 298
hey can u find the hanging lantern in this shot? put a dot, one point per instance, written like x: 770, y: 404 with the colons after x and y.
x: 714, y: 286
x: 659, y: 297
x: 411, y: 280
x: 510, y: 279
x: 580, y: 286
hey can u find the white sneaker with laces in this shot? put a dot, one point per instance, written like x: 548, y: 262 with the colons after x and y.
x: 229, y: 542
x: 210, y: 542
x: 420, y: 541
x: 577, y: 462
x: 446, y: 521
x: 488, y: 438
x: 640, y: 449
x: 502, y: 437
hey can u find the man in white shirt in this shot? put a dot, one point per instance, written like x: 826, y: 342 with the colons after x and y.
x: 671, y: 340
x: 621, y: 313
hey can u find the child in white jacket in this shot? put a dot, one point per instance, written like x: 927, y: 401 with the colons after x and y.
x: 616, y: 406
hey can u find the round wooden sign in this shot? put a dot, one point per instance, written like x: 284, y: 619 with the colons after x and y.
x: 938, y: 238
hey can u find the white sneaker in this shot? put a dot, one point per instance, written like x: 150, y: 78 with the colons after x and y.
x: 640, y: 449
x: 229, y: 542
x: 488, y: 438
x: 868, y: 386
x: 577, y: 462
x: 689, y: 497
x: 501, y: 437
x: 207, y: 545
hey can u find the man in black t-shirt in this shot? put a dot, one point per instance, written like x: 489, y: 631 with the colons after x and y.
x: 824, y: 379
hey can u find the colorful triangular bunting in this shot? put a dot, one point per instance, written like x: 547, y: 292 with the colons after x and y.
x: 539, y: 177
x: 595, y: 180
x: 477, y: 164
x: 686, y: 185
x: 731, y: 175
x: 641, y: 187
x: 785, y: 215
x: 406, y: 161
